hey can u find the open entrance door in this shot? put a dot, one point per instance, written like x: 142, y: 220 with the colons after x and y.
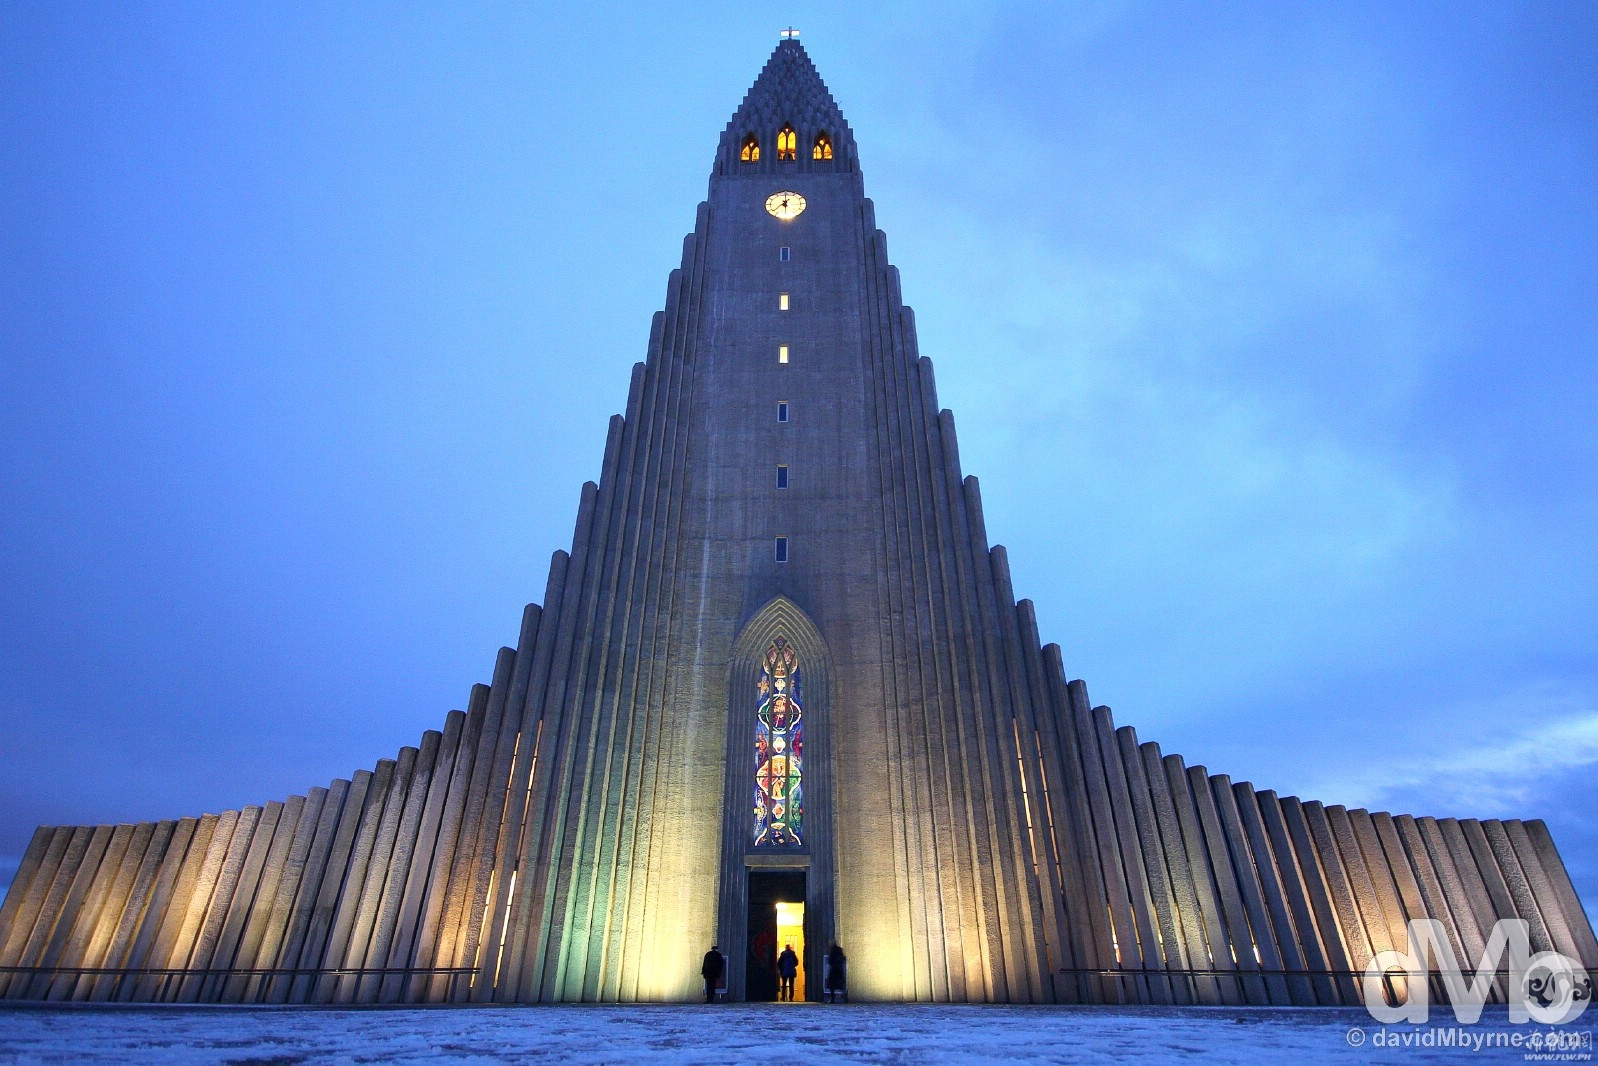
x: 776, y: 919
x: 791, y: 935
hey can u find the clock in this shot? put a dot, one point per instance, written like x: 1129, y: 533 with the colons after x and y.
x: 785, y: 205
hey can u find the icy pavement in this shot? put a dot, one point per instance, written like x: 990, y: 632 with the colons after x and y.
x: 765, y: 1033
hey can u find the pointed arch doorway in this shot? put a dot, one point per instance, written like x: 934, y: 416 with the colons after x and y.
x: 777, y: 852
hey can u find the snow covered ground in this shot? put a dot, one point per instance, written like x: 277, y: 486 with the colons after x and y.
x: 769, y: 1034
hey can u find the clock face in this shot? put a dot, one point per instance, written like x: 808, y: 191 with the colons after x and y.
x: 785, y: 205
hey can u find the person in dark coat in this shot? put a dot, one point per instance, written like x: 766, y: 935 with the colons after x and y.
x: 837, y: 975
x: 715, y: 963
x: 787, y: 970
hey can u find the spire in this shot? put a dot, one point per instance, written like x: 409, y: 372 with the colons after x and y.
x: 788, y: 94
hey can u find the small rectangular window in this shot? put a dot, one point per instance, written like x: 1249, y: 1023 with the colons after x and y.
x: 782, y: 410
x: 782, y: 254
x: 782, y: 475
x: 782, y: 549
x: 782, y: 301
x: 782, y: 353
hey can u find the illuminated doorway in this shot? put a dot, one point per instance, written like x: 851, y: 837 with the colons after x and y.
x: 776, y: 918
x: 791, y: 933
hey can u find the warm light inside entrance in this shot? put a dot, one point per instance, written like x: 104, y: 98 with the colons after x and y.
x: 791, y: 930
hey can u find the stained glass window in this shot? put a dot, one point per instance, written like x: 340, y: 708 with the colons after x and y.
x: 823, y: 148
x: 779, y: 749
x: 750, y: 153
x: 787, y: 144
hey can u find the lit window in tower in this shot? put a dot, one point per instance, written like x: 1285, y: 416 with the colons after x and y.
x: 779, y: 749
x: 782, y: 353
x: 787, y: 144
x: 782, y: 301
x: 823, y: 148
x: 751, y: 150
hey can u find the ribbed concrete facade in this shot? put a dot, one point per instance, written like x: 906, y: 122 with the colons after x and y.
x: 973, y: 828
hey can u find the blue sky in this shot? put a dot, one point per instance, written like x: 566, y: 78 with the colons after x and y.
x: 1269, y: 330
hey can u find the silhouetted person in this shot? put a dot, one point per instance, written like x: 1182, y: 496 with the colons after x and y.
x: 787, y: 970
x: 838, y: 975
x: 711, y: 971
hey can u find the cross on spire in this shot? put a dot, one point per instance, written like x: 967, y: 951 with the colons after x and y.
x: 790, y: 34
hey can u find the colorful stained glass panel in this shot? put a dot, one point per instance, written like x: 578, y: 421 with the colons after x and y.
x: 779, y: 749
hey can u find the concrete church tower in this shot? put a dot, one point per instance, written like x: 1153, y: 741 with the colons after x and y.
x: 780, y: 690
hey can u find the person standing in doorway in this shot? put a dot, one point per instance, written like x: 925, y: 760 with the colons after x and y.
x: 787, y: 970
x: 837, y: 975
x: 711, y: 971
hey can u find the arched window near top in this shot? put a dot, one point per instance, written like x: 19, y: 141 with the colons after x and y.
x: 823, y: 148
x: 750, y: 153
x: 787, y: 144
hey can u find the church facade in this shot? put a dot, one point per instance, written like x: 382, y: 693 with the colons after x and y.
x: 779, y: 691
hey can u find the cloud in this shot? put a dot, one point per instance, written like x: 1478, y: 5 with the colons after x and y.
x: 1147, y: 446
x: 1546, y: 732
x: 1537, y: 757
